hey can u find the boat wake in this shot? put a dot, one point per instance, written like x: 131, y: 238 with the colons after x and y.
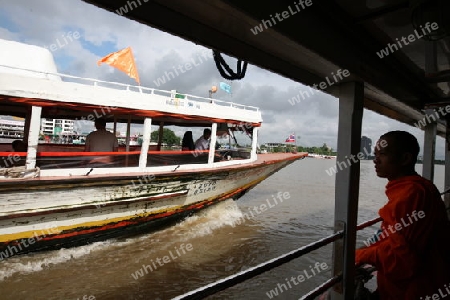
x: 36, y: 262
x: 204, y: 223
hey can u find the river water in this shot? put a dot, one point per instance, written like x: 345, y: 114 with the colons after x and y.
x: 215, y: 243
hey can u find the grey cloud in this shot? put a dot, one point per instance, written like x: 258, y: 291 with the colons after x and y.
x: 156, y: 52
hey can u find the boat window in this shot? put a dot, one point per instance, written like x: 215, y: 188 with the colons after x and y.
x: 62, y: 141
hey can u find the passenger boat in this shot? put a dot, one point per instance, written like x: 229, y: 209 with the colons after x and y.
x: 58, y: 195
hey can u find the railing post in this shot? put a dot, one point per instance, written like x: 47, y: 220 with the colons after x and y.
x: 254, y: 143
x: 212, y: 144
x: 33, y: 136
x: 347, y: 185
x: 429, y: 145
x: 145, y: 143
x: 128, y: 139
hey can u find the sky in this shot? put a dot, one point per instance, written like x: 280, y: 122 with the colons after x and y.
x: 82, y: 33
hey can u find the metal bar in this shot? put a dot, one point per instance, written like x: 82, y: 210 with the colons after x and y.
x: 368, y: 223
x: 322, y: 288
x: 429, y: 145
x: 234, y: 279
x: 351, y: 101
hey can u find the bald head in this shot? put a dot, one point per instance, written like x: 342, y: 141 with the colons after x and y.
x: 401, y: 142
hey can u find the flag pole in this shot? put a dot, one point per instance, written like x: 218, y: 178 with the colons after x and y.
x: 295, y: 142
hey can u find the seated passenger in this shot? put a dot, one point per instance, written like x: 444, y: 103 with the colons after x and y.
x: 203, y: 142
x: 188, y: 142
x: 101, y: 140
x: 19, y: 146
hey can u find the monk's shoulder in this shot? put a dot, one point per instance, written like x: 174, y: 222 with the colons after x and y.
x: 411, y: 183
x: 412, y: 192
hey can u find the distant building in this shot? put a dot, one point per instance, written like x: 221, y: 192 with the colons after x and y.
x: 11, y: 129
x: 366, y: 147
x: 56, y: 126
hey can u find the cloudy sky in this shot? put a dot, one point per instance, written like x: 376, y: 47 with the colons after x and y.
x: 98, y: 33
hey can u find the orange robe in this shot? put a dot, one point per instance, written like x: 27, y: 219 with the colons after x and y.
x: 412, y: 255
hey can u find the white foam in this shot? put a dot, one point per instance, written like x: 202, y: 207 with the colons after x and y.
x: 225, y: 213
x: 36, y: 262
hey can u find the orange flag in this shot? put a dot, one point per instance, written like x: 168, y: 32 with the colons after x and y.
x: 122, y: 60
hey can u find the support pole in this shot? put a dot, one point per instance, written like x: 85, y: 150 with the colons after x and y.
x: 254, y: 143
x: 429, y: 145
x: 115, y: 125
x: 347, y: 185
x: 160, y: 136
x: 127, y: 140
x: 212, y: 144
x: 33, y: 137
x: 431, y: 127
x: 145, y: 143
x: 26, y: 127
x: 447, y: 167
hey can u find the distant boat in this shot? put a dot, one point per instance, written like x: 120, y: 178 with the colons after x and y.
x: 57, y: 195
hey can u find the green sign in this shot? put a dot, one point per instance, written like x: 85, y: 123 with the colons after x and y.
x: 57, y: 130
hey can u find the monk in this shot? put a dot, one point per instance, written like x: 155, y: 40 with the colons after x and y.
x: 412, y: 252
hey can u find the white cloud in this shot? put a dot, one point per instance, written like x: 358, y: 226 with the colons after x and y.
x: 42, y: 22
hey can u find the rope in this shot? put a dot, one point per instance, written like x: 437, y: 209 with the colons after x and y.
x: 226, y: 71
x: 19, y: 172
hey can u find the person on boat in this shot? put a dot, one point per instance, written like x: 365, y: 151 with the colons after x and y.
x: 19, y: 146
x: 412, y: 251
x: 101, y: 140
x: 203, y: 142
x: 187, y: 142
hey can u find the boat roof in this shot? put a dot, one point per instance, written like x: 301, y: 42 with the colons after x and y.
x: 319, y: 39
x: 28, y: 76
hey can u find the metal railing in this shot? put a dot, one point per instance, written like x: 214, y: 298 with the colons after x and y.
x: 242, y: 276
x: 139, y: 89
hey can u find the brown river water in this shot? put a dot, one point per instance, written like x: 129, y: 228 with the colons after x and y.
x: 212, y: 244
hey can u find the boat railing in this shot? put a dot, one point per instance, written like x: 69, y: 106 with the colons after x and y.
x: 174, y: 95
x: 242, y: 276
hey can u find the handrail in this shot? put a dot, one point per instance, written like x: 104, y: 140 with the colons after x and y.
x: 242, y: 276
x: 138, y: 88
x: 368, y: 223
x: 322, y: 288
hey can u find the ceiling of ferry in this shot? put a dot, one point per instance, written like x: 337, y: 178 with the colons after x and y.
x: 312, y: 42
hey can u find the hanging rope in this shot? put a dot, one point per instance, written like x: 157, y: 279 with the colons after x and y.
x: 226, y: 71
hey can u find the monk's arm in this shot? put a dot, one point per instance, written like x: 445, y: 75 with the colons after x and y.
x: 394, y: 255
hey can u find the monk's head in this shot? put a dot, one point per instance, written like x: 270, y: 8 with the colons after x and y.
x: 396, y: 155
